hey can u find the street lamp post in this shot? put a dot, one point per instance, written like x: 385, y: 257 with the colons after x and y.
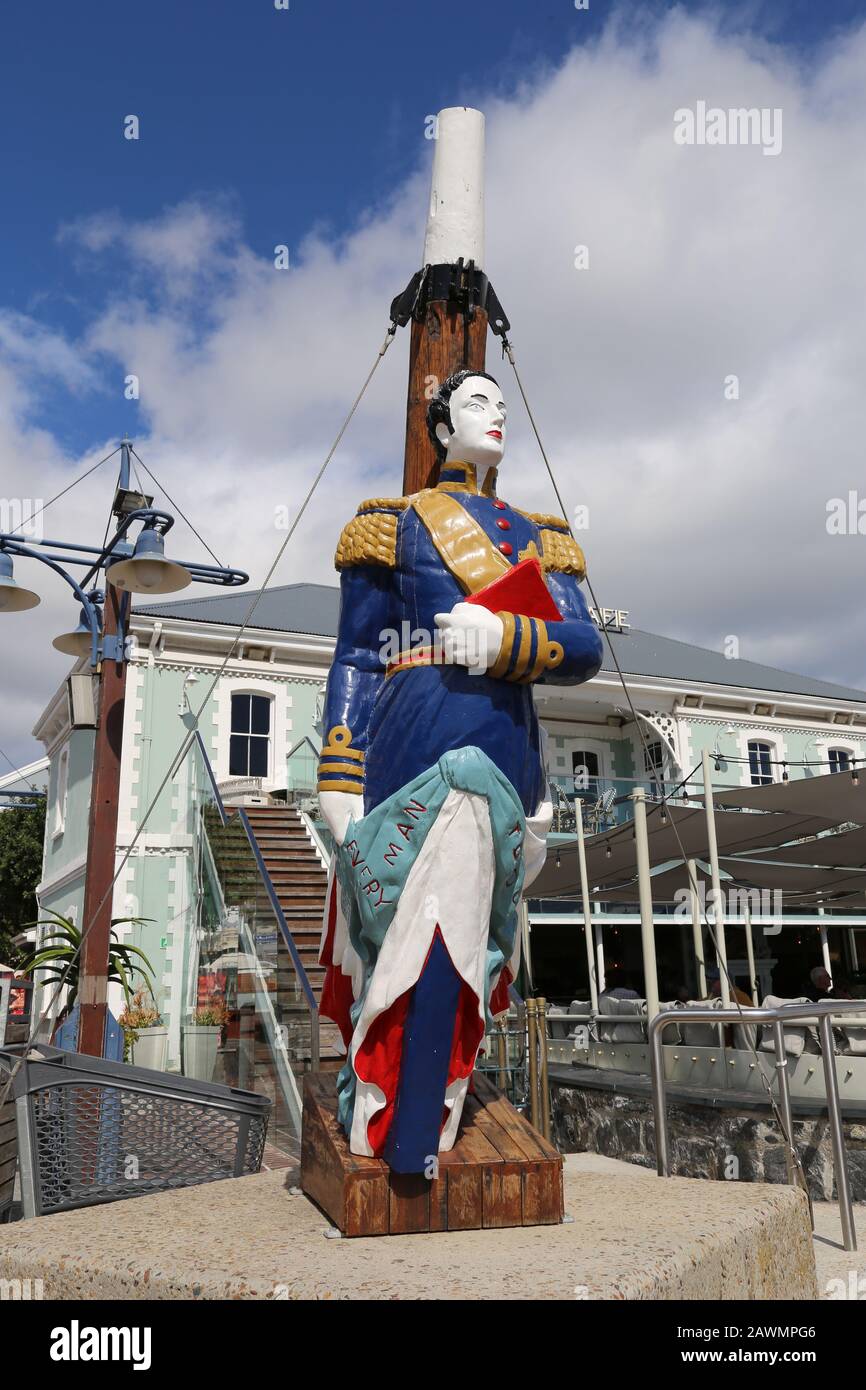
x: 102, y: 837
x: 101, y: 635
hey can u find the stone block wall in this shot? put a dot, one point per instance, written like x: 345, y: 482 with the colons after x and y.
x: 705, y: 1142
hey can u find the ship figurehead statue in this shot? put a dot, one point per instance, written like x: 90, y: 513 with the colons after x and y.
x: 454, y: 604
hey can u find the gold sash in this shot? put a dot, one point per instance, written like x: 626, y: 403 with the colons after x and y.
x: 465, y: 547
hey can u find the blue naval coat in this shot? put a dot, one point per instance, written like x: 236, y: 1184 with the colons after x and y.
x: 391, y: 708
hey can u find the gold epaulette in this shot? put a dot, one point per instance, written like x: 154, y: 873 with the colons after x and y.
x: 370, y: 538
x: 560, y: 552
x: 548, y: 522
x: 394, y: 504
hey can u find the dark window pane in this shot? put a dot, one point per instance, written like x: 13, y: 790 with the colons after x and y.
x: 261, y: 714
x: 653, y: 757
x: 760, y: 765
x: 584, y: 764
x: 584, y: 758
x: 238, y: 756
x: 258, y: 757
x: 241, y: 714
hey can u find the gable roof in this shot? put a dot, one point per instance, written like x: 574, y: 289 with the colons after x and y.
x: 313, y: 609
x: 303, y: 608
x: 647, y: 654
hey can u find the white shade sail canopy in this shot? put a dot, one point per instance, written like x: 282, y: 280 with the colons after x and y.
x: 782, y: 837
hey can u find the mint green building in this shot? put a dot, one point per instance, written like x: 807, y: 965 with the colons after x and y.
x: 259, y: 726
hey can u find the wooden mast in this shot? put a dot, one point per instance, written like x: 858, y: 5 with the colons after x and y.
x: 444, y: 338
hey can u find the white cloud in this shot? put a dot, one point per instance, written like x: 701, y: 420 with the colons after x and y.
x: 707, y: 515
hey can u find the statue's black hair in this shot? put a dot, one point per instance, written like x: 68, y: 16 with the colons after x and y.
x: 439, y: 410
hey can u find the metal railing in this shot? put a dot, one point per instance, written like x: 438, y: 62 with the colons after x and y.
x: 824, y: 1013
x: 273, y: 1033
x: 226, y: 815
x: 515, y: 1058
x: 606, y: 802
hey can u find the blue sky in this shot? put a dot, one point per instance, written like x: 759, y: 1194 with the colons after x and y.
x: 306, y: 127
x: 299, y: 119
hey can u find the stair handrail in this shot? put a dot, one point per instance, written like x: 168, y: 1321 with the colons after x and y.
x: 238, y: 813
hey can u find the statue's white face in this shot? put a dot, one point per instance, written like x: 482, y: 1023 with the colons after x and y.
x: 478, y: 421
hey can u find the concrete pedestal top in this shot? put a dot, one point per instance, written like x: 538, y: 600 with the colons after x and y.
x: 632, y: 1236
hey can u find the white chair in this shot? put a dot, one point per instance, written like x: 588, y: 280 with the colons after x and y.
x: 798, y: 1039
x: 621, y: 1032
x: 555, y: 1030
x: 850, y: 1039
x: 673, y: 1032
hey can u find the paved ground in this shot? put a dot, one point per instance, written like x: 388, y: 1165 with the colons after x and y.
x: 631, y: 1236
x: 841, y: 1273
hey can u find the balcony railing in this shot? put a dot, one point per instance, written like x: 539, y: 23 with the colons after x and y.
x: 606, y: 800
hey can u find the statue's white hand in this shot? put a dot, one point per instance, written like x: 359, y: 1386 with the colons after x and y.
x: 470, y: 636
x: 337, y: 808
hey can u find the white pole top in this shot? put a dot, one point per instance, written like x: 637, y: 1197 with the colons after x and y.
x: 455, y: 221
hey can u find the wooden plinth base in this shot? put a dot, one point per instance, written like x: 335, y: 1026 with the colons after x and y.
x: 501, y: 1172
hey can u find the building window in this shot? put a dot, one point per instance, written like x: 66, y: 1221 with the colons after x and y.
x: 654, y: 765
x: 840, y: 760
x: 585, y: 767
x: 760, y: 763
x: 62, y: 791
x: 249, y: 745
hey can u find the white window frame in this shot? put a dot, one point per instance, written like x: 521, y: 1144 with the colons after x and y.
x: 575, y: 743
x: 837, y: 745
x: 271, y: 699
x: 773, y: 749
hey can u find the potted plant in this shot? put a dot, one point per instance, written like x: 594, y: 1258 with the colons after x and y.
x: 145, y: 1034
x: 201, y: 1040
x: 59, y: 957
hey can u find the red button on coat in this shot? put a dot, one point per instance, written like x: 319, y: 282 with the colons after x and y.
x: 503, y: 524
x: 500, y: 506
x: 506, y: 548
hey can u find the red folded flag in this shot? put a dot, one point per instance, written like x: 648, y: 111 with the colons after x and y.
x: 521, y: 590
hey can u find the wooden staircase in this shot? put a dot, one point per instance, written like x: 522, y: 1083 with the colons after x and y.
x: 301, y: 885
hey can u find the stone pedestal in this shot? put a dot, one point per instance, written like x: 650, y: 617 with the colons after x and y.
x: 631, y: 1237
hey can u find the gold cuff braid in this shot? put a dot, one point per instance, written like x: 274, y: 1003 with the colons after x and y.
x: 500, y: 665
x: 548, y: 653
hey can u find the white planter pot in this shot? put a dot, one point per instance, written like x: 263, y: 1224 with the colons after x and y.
x: 151, y: 1049
x: 200, y: 1045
